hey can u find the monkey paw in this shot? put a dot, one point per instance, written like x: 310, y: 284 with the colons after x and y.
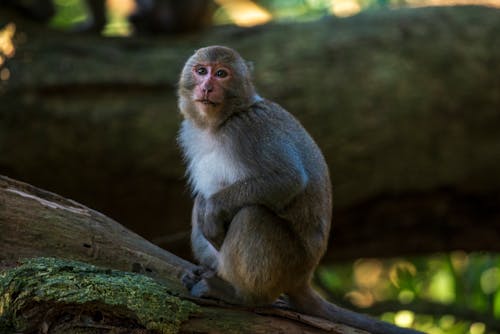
x: 190, y: 277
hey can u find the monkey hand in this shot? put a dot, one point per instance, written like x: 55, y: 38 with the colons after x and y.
x: 192, y: 276
x: 213, y: 225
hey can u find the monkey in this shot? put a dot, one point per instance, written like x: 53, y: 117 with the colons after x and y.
x: 262, y: 193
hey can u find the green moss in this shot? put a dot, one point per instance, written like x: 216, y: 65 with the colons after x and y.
x: 72, y: 282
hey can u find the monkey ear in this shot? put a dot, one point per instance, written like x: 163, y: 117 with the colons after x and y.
x: 249, y: 65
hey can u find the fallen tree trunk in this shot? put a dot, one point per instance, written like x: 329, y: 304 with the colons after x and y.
x: 64, y: 295
x: 403, y: 103
x: 37, y: 223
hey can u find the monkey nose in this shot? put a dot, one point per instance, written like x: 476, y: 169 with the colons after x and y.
x: 207, y: 88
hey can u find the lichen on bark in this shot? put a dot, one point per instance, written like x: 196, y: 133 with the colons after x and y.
x: 56, y: 282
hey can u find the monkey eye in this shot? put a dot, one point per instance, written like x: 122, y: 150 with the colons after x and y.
x: 221, y: 73
x: 201, y: 70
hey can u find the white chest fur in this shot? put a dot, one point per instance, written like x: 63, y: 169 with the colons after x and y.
x: 211, y: 164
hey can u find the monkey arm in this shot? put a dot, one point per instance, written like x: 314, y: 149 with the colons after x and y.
x: 277, y: 175
x: 284, y: 179
x: 274, y: 190
x: 211, y: 232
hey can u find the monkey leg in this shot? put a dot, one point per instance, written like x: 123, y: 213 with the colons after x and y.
x: 261, y: 256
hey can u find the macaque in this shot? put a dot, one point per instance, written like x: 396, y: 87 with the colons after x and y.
x: 263, y: 204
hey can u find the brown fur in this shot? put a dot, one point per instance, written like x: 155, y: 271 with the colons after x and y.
x: 262, y: 212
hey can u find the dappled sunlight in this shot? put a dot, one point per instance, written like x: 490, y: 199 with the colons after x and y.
x: 4, y: 74
x: 121, y: 7
x: 404, y: 318
x: 69, y: 13
x: 490, y: 280
x: 442, y: 286
x: 245, y: 13
x: 367, y: 277
x: 399, y: 269
x: 477, y: 328
x: 446, y: 322
x: 406, y: 296
x: 248, y: 13
x: 7, y: 49
x: 363, y: 299
x: 396, y: 289
x: 372, y: 276
x: 367, y: 272
x: 459, y: 261
x: 343, y: 8
x: 118, y: 13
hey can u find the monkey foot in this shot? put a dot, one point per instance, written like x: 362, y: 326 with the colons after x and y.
x: 282, y: 302
x: 213, y: 287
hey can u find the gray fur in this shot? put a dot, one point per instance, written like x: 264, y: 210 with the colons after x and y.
x: 262, y: 211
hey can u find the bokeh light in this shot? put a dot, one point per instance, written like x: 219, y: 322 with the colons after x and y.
x: 245, y: 13
x: 404, y: 318
x: 7, y: 49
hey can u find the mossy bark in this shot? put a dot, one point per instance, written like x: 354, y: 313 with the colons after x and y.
x: 404, y: 104
x: 36, y: 294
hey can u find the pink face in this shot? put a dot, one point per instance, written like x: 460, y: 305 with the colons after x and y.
x: 211, y: 80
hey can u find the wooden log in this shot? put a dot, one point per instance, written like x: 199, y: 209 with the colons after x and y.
x: 34, y: 294
x: 35, y: 223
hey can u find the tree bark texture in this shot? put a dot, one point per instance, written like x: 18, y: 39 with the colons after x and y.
x: 49, y: 295
x: 403, y: 103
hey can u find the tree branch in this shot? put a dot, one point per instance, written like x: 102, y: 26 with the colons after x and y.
x: 33, y: 295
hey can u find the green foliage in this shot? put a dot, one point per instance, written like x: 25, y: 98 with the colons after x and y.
x: 73, y: 12
x: 69, y: 13
x: 455, y: 293
x: 297, y: 9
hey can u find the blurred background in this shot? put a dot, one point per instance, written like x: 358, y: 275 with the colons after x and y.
x: 403, y: 97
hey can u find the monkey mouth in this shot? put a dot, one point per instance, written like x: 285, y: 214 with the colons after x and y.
x: 207, y: 102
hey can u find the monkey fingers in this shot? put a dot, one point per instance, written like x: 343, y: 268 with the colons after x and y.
x: 190, y: 277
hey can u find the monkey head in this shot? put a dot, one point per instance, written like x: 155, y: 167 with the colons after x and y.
x: 214, y: 84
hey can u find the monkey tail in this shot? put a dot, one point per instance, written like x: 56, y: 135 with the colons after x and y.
x: 310, y: 302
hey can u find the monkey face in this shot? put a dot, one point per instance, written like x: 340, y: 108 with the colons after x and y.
x: 210, y: 80
x: 214, y: 84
